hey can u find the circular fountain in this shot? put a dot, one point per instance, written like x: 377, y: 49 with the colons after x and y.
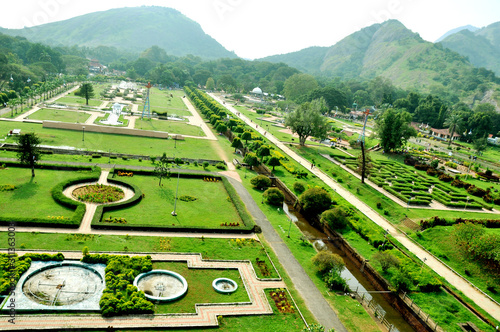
x: 224, y: 285
x: 161, y: 285
x: 63, y: 284
x: 114, y: 115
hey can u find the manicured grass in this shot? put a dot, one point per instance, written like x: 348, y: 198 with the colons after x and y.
x: 352, y: 315
x: 210, y: 209
x: 170, y: 126
x: 439, y: 240
x: 78, y: 101
x: 200, y: 288
x: 59, y: 115
x: 209, y: 248
x: 32, y: 197
x: 161, y: 101
x: 188, y: 148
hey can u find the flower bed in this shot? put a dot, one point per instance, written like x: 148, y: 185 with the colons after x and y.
x: 98, y: 193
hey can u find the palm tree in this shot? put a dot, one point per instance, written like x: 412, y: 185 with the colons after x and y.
x: 453, y: 122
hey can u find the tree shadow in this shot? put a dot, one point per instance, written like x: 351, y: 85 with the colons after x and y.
x: 26, y: 190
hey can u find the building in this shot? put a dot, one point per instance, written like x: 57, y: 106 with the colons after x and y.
x: 443, y: 134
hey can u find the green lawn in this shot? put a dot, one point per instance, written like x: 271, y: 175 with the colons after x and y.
x: 439, y: 240
x: 161, y: 102
x: 210, y: 209
x: 188, y: 148
x: 32, y: 197
x: 200, y: 288
x: 209, y: 248
x: 78, y: 101
x: 170, y: 126
x: 59, y: 115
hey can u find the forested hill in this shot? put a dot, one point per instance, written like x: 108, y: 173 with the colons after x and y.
x: 482, y: 47
x: 130, y: 29
x: 308, y: 60
x: 392, y: 51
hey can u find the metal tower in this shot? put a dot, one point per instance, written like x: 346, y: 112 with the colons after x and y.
x: 147, y: 105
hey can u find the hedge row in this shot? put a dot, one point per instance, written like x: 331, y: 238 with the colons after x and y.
x: 240, y: 206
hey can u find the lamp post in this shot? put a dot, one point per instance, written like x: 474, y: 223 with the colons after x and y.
x: 465, y: 208
x: 83, y: 133
x: 174, y: 213
x: 290, y: 226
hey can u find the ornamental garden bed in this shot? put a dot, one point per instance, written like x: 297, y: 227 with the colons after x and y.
x: 98, y: 193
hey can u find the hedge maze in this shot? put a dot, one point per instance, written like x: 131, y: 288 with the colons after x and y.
x: 413, y: 186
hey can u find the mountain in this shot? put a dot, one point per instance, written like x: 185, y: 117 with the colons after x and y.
x: 470, y: 28
x: 392, y: 51
x: 482, y: 47
x: 307, y: 60
x: 130, y: 29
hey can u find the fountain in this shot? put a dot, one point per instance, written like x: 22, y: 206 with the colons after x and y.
x: 224, y: 285
x: 114, y: 115
x: 161, y: 285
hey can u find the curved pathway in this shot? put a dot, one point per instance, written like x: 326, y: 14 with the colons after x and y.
x: 481, y: 299
x: 205, y: 316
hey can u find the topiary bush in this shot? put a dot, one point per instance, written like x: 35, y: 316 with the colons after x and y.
x: 299, y: 187
x: 274, y: 196
x: 261, y: 181
x: 315, y: 200
x: 335, y: 218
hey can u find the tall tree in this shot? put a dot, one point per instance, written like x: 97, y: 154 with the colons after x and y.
x: 29, y: 151
x: 86, y: 91
x: 393, y: 129
x: 299, y: 86
x: 237, y: 144
x: 307, y: 121
x: 162, y: 168
x: 210, y: 84
x: 453, y: 122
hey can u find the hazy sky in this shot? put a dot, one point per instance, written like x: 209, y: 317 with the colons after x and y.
x: 257, y: 28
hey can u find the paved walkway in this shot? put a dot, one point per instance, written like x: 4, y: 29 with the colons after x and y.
x: 196, y: 120
x: 205, y: 316
x: 313, y: 298
x: 481, y: 299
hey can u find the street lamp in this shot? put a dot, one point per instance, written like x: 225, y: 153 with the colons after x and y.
x: 465, y: 208
x: 83, y: 133
x: 176, y: 192
x: 289, y: 227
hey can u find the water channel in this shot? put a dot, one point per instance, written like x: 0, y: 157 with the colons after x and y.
x: 355, y: 279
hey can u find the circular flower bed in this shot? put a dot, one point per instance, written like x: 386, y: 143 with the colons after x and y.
x: 98, y: 193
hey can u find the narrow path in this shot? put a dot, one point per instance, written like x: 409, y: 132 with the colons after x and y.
x: 196, y: 120
x: 315, y: 301
x: 481, y: 299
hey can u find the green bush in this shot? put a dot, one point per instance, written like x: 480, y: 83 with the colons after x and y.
x: 261, y: 181
x: 335, y: 218
x: 299, y: 187
x: 315, y: 200
x: 274, y: 196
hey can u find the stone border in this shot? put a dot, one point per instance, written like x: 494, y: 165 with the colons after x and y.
x: 170, y: 273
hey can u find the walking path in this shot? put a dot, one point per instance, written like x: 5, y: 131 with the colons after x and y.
x: 313, y: 298
x: 481, y: 299
x: 196, y: 120
x: 205, y: 316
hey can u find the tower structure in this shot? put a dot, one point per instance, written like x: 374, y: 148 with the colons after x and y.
x: 147, y: 107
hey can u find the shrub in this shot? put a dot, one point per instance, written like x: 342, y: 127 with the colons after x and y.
x: 274, y: 196
x: 326, y: 261
x: 221, y: 165
x: 315, y: 200
x: 386, y: 260
x: 445, y: 177
x: 299, y: 187
x: 379, y: 205
x: 336, y: 218
x: 435, y: 163
x: 261, y: 181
